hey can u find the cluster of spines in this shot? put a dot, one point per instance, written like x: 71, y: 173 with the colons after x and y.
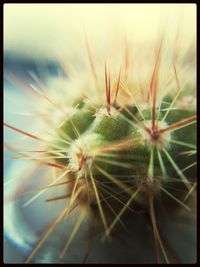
x: 98, y: 146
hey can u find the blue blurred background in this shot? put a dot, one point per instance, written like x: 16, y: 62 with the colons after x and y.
x: 24, y: 69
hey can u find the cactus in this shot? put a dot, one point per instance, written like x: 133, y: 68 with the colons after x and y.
x: 119, y: 151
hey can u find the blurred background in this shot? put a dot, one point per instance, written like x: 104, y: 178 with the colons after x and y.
x: 38, y: 38
x: 48, y: 31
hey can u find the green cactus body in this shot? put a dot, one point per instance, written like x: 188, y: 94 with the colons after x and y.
x: 124, y: 150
